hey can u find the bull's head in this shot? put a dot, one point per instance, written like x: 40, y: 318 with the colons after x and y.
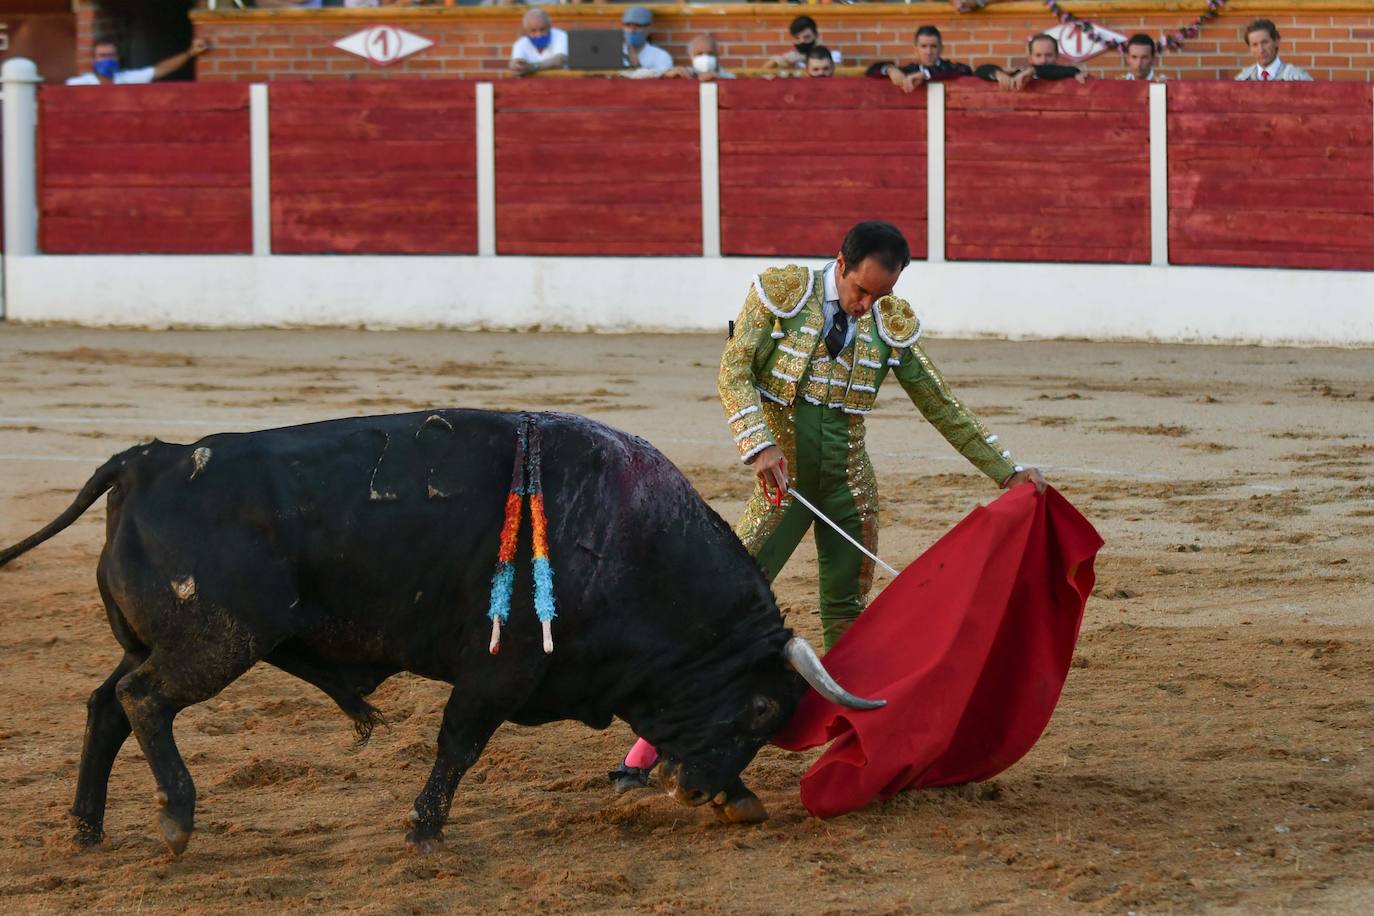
x: 707, y: 765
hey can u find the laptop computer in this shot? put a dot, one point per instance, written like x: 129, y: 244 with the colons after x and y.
x: 596, y: 49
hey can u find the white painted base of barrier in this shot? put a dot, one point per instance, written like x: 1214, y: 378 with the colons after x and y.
x: 960, y: 299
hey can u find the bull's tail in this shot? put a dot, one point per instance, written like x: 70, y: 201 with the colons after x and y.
x: 100, y: 482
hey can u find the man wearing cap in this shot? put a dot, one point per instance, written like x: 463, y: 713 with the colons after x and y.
x: 642, y: 58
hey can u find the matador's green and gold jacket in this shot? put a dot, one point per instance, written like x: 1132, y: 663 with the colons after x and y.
x: 777, y: 355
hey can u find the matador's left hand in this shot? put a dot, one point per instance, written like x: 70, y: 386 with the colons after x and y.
x: 1020, y: 477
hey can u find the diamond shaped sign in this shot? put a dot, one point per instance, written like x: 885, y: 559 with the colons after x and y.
x: 1076, y: 45
x: 383, y: 45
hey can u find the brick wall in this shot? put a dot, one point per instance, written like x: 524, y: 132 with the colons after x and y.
x: 1332, y: 39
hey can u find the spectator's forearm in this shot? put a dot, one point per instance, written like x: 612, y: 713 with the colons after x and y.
x: 170, y: 65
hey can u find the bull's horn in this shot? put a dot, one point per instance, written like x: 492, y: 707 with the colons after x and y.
x: 805, y: 662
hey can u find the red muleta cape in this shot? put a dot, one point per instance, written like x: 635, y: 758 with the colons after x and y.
x: 970, y: 646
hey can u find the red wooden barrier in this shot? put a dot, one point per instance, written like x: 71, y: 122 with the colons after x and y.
x: 374, y: 167
x: 598, y: 167
x: 1275, y: 175
x: 1059, y: 172
x: 160, y: 169
x: 803, y: 160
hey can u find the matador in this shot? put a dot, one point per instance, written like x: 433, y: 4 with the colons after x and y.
x: 809, y: 352
x: 800, y: 372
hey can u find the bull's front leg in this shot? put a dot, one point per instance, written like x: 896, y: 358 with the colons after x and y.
x: 739, y: 805
x: 469, y: 723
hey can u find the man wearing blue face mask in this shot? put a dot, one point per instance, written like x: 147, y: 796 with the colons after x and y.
x: 105, y: 69
x: 642, y: 58
x: 542, y: 47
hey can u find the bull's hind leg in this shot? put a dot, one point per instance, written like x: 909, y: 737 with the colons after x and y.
x: 152, y: 695
x: 106, y: 728
x: 469, y: 723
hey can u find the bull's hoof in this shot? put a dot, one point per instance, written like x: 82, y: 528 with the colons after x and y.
x: 746, y: 809
x: 423, y: 842
x: 175, y: 834
x: 627, y: 779
x: 86, y: 836
x: 176, y: 831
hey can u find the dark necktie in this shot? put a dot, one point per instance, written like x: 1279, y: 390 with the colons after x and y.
x: 839, y: 328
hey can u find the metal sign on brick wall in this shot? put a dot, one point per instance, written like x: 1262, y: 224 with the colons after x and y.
x: 383, y: 45
x: 1076, y: 45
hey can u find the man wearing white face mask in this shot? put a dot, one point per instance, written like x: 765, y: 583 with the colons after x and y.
x: 705, y: 61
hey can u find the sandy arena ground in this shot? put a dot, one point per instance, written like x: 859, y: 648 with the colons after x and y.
x: 1213, y: 749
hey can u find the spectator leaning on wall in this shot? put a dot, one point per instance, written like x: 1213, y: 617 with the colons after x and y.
x: 105, y: 69
x: 1042, y: 63
x: 805, y: 38
x: 1140, y: 59
x: 928, y: 67
x: 1262, y: 37
x: 820, y: 62
x: 705, y: 61
x: 641, y: 58
x: 541, y: 47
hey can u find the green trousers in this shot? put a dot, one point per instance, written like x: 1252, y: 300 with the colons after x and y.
x: 829, y: 466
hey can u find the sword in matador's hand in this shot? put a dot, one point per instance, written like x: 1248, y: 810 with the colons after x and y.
x: 792, y: 491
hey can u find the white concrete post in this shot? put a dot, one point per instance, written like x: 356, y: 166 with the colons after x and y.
x: 1159, y: 175
x: 935, y: 173
x: 20, y: 80
x: 260, y: 146
x: 486, y: 170
x: 710, y: 169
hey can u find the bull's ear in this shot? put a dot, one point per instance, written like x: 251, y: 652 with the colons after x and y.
x: 763, y: 713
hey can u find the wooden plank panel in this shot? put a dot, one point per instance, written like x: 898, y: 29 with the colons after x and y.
x: 391, y: 157
x: 1282, y: 179
x: 142, y: 100
x: 455, y: 124
x: 374, y: 167
x: 397, y: 95
x: 771, y: 235
x: 782, y: 126
x: 802, y: 161
x: 1229, y: 97
x: 1312, y: 260
x: 85, y: 235
x: 549, y: 221
x: 1057, y: 173
x: 642, y: 97
x: 157, y: 169
x: 596, y: 127
x: 618, y: 185
x: 1106, y: 96
x: 811, y: 99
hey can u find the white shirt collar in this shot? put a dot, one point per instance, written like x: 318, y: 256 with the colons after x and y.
x: 832, y: 290
x: 1273, y: 69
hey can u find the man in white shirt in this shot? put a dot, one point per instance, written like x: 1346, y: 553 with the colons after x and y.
x: 642, y: 58
x: 105, y: 69
x: 542, y: 47
x: 1262, y: 37
x: 705, y: 66
x: 1140, y: 59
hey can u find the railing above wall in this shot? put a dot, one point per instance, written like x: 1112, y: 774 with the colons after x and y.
x: 1254, y: 175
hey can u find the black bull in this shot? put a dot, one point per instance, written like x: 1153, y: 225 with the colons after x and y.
x: 346, y: 551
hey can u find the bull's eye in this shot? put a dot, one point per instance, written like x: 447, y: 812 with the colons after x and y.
x: 762, y: 712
